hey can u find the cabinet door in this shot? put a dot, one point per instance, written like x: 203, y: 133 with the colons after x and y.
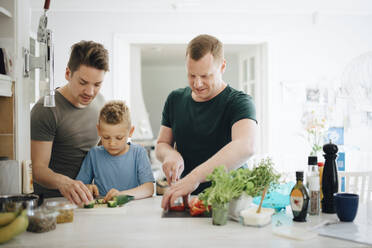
x: 7, y: 135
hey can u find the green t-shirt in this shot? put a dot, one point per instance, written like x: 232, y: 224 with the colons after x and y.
x: 72, y: 130
x: 201, y: 129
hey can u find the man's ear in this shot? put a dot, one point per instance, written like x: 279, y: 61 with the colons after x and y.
x: 68, y: 74
x: 223, y: 66
x: 131, y: 131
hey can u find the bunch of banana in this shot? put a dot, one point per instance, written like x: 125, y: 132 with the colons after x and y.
x: 12, y: 224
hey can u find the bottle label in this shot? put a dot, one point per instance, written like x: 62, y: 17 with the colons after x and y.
x: 297, y: 200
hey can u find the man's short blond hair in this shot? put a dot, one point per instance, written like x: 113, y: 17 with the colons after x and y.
x: 204, y: 44
x: 115, y: 112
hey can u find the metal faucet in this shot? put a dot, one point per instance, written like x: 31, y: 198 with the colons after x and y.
x: 46, y: 60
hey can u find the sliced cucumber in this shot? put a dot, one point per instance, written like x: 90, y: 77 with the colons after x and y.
x: 112, y: 204
x: 90, y: 205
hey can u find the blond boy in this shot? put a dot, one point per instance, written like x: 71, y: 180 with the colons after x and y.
x: 117, y: 167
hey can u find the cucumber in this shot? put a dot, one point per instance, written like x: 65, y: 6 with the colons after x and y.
x: 112, y: 204
x: 122, y: 199
x: 6, y: 218
x: 90, y: 205
x: 16, y: 227
x: 100, y: 201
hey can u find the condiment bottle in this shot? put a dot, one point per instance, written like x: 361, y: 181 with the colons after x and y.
x: 314, y: 192
x: 27, y: 183
x: 312, y: 161
x: 330, y: 180
x: 299, y: 199
x: 320, y: 168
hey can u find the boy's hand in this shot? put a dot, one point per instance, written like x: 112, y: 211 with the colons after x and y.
x: 93, y: 189
x: 110, y: 194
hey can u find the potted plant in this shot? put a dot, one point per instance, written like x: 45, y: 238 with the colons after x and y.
x: 249, y: 183
x: 218, y: 195
x: 232, y: 191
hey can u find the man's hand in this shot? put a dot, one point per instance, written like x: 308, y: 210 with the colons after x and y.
x: 93, y: 189
x: 76, y: 192
x: 110, y: 194
x: 173, y: 168
x: 181, y: 188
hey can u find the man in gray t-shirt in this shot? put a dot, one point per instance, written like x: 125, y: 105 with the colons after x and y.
x: 61, y: 136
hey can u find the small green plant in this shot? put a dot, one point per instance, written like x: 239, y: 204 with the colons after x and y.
x: 263, y: 174
x: 221, y: 191
x: 229, y: 185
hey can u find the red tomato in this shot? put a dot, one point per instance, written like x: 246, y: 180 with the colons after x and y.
x: 178, y: 208
x: 196, y: 207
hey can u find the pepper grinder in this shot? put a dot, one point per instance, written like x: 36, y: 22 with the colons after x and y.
x: 330, y: 179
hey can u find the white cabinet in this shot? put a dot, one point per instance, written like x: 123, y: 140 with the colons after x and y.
x: 14, y: 35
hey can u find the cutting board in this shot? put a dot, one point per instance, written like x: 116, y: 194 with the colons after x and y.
x: 183, y: 214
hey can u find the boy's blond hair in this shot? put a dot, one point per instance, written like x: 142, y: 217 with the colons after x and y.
x: 115, y: 112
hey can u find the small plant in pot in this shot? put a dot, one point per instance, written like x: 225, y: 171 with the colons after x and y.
x: 218, y: 195
x: 248, y: 183
x: 232, y: 191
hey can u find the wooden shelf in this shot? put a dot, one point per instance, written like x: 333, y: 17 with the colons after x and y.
x: 7, y: 131
x: 5, y: 85
x: 4, y: 12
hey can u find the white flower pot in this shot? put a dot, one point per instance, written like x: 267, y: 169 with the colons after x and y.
x: 239, y: 204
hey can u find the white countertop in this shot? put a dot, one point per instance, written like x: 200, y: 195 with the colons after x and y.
x: 139, y: 224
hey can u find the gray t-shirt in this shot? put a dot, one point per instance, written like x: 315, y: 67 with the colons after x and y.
x: 72, y: 130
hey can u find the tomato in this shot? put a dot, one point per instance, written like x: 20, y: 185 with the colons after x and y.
x: 178, y: 208
x: 197, y: 207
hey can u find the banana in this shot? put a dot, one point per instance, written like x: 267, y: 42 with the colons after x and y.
x: 6, y: 218
x: 16, y: 227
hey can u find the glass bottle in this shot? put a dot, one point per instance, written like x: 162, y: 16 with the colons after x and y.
x: 312, y: 161
x: 314, y: 193
x: 299, y: 199
x: 320, y: 169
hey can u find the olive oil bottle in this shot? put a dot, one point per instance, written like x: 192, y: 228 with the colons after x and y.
x: 299, y: 199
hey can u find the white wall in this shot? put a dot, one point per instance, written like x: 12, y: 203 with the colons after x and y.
x: 300, y: 49
x: 157, y: 83
x: 159, y: 80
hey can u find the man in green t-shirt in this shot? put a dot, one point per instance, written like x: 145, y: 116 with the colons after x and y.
x: 205, y: 125
x: 62, y: 136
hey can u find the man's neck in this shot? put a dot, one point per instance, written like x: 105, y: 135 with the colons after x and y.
x: 65, y: 92
x: 222, y: 87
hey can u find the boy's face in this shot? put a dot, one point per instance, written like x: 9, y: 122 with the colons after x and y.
x: 114, y: 137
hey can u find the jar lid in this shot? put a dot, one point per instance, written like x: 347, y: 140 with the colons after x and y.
x: 42, y: 212
x: 60, y: 205
x: 312, y: 160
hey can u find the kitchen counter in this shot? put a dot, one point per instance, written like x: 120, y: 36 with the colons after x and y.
x: 139, y: 224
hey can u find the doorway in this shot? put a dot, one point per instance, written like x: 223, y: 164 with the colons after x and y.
x: 156, y: 66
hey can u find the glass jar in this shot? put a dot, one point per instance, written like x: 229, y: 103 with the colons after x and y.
x: 64, y: 208
x: 219, y: 213
x: 41, y: 220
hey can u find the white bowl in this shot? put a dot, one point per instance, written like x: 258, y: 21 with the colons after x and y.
x: 249, y: 217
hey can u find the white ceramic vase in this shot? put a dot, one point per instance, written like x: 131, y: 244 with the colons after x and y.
x: 239, y: 204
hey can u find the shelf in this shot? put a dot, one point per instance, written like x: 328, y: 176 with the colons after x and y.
x: 4, y: 12
x: 5, y: 85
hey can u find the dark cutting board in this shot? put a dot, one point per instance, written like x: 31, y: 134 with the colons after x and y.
x: 183, y: 214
